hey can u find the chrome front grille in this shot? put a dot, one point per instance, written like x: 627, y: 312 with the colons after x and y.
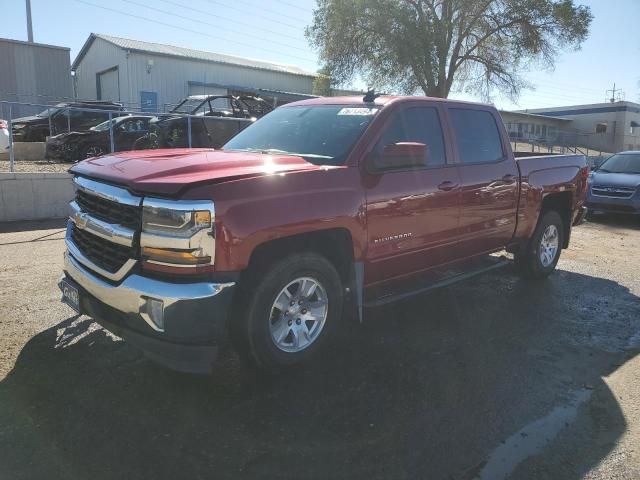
x: 104, y: 228
x: 613, y: 192
x: 109, y: 211
x: 106, y: 255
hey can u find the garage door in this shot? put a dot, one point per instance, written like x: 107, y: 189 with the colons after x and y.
x: 204, y: 90
x: 108, y: 85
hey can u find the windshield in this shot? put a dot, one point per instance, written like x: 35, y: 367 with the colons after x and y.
x: 101, y: 127
x: 622, y: 163
x: 50, y: 111
x: 322, y: 134
x: 189, y: 105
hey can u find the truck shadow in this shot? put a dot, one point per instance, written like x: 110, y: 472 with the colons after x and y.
x: 427, y: 388
x: 616, y: 221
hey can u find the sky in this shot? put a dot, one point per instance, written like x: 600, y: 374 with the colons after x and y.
x: 273, y: 30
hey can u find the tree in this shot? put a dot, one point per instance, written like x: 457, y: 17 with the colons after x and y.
x: 322, y: 83
x: 435, y: 45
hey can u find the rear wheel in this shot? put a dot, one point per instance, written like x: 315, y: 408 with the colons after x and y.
x: 93, y: 151
x: 540, y: 257
x: 293, y: 312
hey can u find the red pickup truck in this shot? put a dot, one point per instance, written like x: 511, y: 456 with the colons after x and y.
x: 322, y: 207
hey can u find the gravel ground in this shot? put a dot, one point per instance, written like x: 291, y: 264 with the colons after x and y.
x: 34, y: 166
x: 492, y: 378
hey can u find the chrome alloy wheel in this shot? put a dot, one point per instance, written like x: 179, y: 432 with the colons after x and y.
x: 298, y: 314
x: 549, y: 245
x: 94, y: 151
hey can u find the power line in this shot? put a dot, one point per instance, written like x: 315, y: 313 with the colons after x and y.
x: 234, y: 20
x: 286, y: 45
x: 565, y: 86
x: 293, y: 5
x: 262, y: 11
x: 197, y: 32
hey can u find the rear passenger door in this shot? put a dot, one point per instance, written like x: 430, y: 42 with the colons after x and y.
x: 412, y: 210
x: 489, y: 181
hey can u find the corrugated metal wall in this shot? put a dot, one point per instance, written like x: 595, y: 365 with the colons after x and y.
x: 33, y: 73
x: 100, y: 57
x: 169, y: 77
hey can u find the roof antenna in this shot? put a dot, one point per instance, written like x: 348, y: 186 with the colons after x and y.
x: 370, y: 96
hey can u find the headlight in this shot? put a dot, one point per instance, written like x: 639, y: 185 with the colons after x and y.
x: 176, y: 223
x: 177, y: 236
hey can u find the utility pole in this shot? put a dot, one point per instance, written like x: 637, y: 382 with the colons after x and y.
x: 29, y: 26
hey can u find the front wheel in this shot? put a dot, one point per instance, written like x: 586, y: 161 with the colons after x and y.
x: 293, y: 312
x: 540, y: 257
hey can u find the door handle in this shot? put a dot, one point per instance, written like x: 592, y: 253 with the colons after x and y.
x: 447, y: 186
x: 508, y: 178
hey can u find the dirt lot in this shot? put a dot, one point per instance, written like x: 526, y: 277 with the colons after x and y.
x: 494, y: 378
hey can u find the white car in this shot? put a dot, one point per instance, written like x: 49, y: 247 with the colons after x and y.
x: 4, y: 135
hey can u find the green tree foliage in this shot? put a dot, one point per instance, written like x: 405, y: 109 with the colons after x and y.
x: 322, y: 83
x: 479, y: 46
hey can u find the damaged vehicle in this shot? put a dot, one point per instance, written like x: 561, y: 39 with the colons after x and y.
x: 216, y: 119
x: 74, y: 146
x: 36, y: 128
x: 4, y: 135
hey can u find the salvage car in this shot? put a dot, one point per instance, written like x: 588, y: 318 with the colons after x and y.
x: 36, y: 128
x: 96, y: 141
x: 614, y: 187
x: 215, y: 119
x: 322, y: 207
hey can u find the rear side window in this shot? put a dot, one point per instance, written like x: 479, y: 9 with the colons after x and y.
x: 477, y: 136
x: 417, y: 124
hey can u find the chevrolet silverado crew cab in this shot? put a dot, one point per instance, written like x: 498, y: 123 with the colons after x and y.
x: 323, y: 206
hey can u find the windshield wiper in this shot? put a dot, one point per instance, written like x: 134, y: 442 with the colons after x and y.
x: 277, y: 151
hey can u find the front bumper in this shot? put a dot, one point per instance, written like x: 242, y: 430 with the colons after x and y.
x: 193, y: 323
x: 630, y: 206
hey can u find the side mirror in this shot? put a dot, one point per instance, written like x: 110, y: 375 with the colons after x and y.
x: 401, y: 155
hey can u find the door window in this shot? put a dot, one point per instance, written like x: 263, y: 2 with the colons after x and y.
x: 477, y: 136
x: 417, y: 124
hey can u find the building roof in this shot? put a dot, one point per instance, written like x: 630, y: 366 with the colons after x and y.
x: 605, y: 107
x: 187, y: 53
x: 33, y: 44
x: 534, y: 115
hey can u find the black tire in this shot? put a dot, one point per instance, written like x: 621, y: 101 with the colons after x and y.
x: 252, y: 335
x: 92, y: 151
x: 528, y: 261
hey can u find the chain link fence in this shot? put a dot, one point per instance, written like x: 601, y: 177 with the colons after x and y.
x: 119, y: 127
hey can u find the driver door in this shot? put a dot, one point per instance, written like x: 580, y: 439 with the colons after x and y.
x: 412, y: 210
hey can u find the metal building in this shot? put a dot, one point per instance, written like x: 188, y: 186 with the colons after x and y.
x: 610, y: 127
x: 154, y: 76
x: 33, y: 73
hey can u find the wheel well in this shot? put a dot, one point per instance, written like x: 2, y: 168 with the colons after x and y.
x: 560, y: 202
x: 334, y: 244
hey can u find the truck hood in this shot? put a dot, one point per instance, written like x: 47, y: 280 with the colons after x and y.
x: 168, y: 171
x: 605, y: 179
x: 32, y: 119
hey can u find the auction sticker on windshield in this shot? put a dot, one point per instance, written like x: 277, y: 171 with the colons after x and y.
x: 360, y: 111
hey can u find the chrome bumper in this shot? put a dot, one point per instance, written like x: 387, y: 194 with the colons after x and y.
x: 133, y: 295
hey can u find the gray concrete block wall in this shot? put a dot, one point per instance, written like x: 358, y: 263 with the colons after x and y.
x: 25, y: 151
x: 35, y: 196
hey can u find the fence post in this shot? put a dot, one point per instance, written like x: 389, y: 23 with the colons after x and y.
x: 189, y: 129
x: 111, y: 142
x: 11, y: 152
x: 68, y: 120
x: 49, y: 117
